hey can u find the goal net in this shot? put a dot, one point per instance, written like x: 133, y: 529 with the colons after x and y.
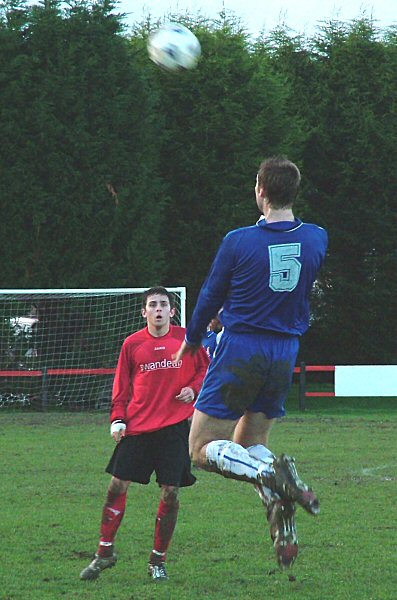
x: 59, y: 348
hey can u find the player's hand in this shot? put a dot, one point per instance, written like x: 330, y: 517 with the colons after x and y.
x: 184, y: 349
x: 118, y: 430
x: 186, y: 395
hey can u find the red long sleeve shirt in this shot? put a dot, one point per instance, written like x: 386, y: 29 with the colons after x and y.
x: 148, y: 380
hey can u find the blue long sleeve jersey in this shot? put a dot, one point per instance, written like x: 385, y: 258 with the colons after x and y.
x: 262, y: 275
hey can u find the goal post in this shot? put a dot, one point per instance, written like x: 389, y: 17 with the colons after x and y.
x: 59, y: 347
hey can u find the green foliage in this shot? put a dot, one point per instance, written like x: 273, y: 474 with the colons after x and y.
x: 115, y: 173
x: 217, y: 122
x: 74, y: 184
x: 352, y: 187
x: 221, y: 546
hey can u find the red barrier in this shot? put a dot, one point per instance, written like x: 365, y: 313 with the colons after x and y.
x: 315, y: 368
x: 301, y: 370
x: 303, y: 394
x: 81, y: 371
x: 40, y: 373
x: 21, y: 373
x: 330, y: 394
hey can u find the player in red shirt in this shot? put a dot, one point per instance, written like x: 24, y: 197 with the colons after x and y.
x: 152, y: 403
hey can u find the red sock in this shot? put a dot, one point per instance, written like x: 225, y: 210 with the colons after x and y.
x: 165, y: 524
x: 112, y: 515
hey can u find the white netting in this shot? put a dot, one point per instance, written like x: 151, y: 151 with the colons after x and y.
x: 59, y: 348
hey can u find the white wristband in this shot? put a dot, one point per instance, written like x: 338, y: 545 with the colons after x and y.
x: 116, y: 427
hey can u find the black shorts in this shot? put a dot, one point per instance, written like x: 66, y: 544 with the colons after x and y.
x: 166, y: 452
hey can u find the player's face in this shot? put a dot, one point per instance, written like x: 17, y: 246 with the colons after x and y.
x: 215, y: 324
x: 158, y: 312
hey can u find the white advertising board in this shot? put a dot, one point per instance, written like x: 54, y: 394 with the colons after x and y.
x: 366, y: 380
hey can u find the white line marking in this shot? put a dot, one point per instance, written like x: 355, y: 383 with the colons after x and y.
x: 373, y: 470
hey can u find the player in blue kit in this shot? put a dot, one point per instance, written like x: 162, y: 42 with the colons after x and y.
x: 262, y: 276
x: 210, y: 339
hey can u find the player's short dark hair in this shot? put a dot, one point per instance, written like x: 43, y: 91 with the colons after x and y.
x: 280, y: 178
x: 159, y: 289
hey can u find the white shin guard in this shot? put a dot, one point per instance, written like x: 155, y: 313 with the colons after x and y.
x: 232, y: 460
x: 266, y: 456
x: 261, y: 453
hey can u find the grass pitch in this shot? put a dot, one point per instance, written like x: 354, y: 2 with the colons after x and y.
x: 53, y: 486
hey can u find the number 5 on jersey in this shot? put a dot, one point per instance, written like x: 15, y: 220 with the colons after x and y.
x: 285, y: 269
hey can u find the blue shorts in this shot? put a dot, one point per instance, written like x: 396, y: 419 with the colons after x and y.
x: 249, y: 371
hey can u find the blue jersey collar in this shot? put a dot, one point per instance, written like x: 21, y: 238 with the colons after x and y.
x: 280, y: 225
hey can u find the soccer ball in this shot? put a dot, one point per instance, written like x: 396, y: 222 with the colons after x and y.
x: 174, y: 47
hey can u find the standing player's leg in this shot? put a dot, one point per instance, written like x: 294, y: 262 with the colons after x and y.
x: 131, y: 461
x: 167, y: 515
x: 172, y: 466
x: 112, y: 515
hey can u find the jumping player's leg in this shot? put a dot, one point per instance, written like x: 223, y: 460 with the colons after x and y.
x: 248, y: 378
x: 240, y: 460
x: 234, y: 379
x: 212, y: 449
x: 252, y: 432
x: 212, y: 452
x: 244, y: 458
x: 253, y: 429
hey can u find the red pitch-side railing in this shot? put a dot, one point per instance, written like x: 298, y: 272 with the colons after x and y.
x: 303, y: 393
x: 302, y: 370
x: 45, y: 373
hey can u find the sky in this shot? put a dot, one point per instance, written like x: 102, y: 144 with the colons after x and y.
x: 301, y: 16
